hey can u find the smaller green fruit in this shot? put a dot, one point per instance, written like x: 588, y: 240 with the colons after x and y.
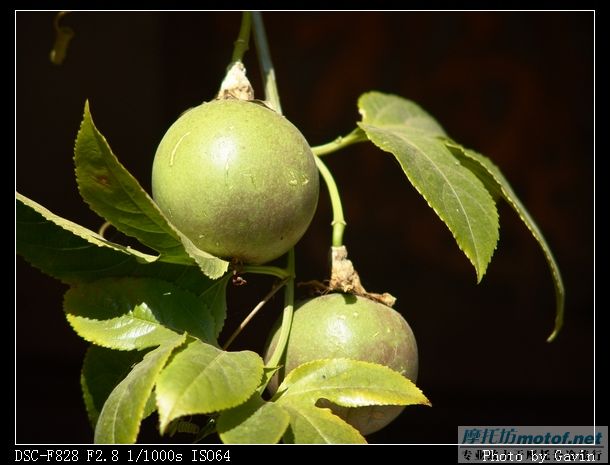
x: 346, y: 326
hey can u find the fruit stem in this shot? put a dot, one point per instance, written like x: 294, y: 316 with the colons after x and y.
x: 357, y: 135
x: 264, y: 58
x: 241, y: 44
x: 268, y: 270
x: 235, y: 84
x: 253, y: 313
x: 286, y: 316
x: 338, y: 222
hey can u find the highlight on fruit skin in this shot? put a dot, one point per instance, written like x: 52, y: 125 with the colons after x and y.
x: 238, y: 179
x: 348, y: 326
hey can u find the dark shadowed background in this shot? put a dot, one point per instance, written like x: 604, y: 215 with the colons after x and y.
x: 517, y: 87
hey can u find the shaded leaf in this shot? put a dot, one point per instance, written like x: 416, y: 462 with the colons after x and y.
x: 135, y: 313
x: 102, y: 370
x: 64, y: 249
x: 349, y: 383
x: 458, y: 197
x: 204, y: 379
x: 72, y: 253
x: 215, y: 299
x: 182, y: 426
x: 120, y: 418
x: 113, y: 193
x: 253, y: 422
x: 495, y: 181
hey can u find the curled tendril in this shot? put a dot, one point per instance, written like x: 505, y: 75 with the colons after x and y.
x: 63, y: 36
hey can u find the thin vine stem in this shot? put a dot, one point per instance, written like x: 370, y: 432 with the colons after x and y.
x: 264, y: 58
x: 242, y: 43
x: 253, y: 313
x: 338, y: 222
x: 280, y: 347
x: 357, y: 135
x: 276, y: 271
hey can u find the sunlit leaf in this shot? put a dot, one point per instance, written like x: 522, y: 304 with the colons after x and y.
x: 458, y: 197
x: 135, y: 313
x: 349, y: 383
x: 204, y: 379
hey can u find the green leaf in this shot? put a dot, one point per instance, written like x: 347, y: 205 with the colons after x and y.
x: 216, y: 301
x: 119, y: 420
x: 204, y: 379
x: 151, y: 403
x: 134, y: 331
x: 394, y: 112
x: 102, y: 370
x: 135, y: 313
x: 72, y: 253
x: 495, y: 181
x: 349, y: 383
x: 253, y: 422
x: 112, y: 192
x: 115, y: 194
x: 212, y: 266
x: 313, y: 425
x: 64, y: 249
x: 457, y: 196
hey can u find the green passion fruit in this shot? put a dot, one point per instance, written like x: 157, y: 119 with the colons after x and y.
x: 346, y: 326
x: 238, y: 179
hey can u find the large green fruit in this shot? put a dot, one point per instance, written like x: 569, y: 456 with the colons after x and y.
x: 238, y: 179
x: 346, y: 326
